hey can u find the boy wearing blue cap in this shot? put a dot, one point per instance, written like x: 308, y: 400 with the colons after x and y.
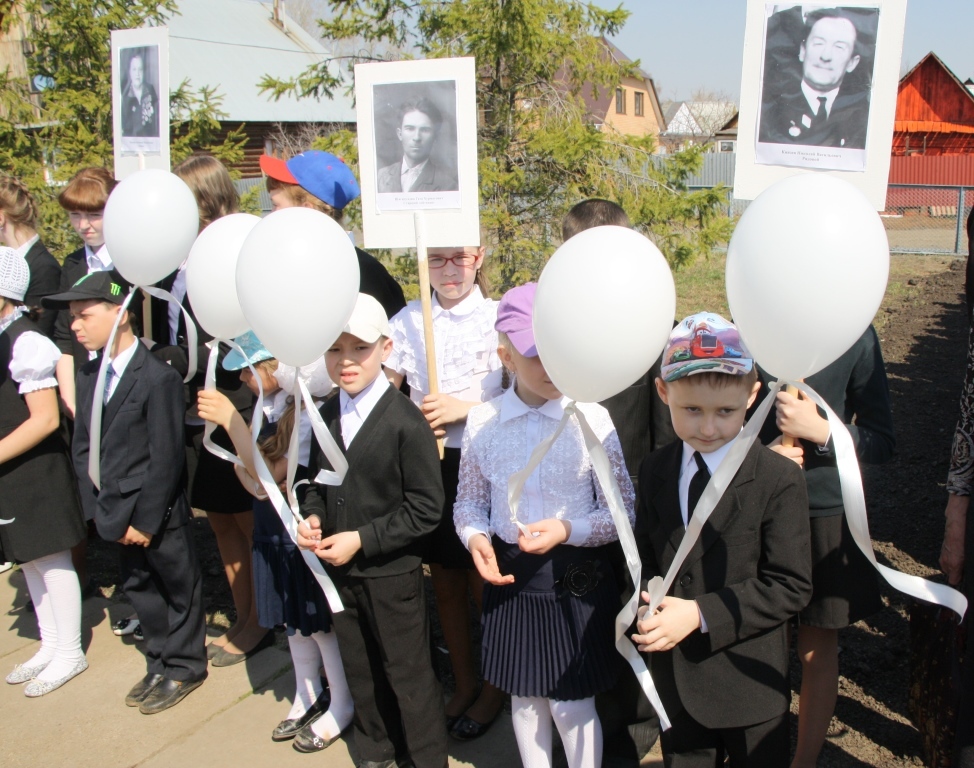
x: 141, y: 499
x: 717, y: 645
x: 319, y: 180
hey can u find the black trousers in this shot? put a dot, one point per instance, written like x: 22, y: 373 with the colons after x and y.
x: 688, y: 744
x: 163, y: 582
x: 383, y: 634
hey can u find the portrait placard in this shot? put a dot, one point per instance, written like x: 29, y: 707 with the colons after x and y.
x: 140, y: 99
x: 417, y: 132
x: 818, y: 93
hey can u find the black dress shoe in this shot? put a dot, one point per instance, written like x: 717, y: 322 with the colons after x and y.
x: 379, y: 764
x: 288, y: 729
x: 168, y: 693
x: 223, y: 658
x: 141, y: 689
x: 468, y: 729
x: 306, y: 740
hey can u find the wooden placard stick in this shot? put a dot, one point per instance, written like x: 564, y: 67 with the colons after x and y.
x: 426, y: 299
x: 787, y: 440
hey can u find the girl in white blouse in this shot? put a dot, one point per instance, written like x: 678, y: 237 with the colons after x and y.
x: 551, y: 596
x: 38, y: 498
x: 468, y: 373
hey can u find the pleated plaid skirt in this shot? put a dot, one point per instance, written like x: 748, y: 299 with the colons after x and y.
x: 550, y: 633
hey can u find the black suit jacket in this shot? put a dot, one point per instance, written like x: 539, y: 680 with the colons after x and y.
x: 74, y: 268
x: 45, y: 279
x: 393, y: 492
x: 749, y: 571
x: 788, y: 119
x: 142, y: 449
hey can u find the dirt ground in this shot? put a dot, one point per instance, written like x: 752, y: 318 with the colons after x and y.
x: 923, y: 331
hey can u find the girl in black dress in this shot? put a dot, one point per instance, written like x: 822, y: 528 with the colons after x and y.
x: 38, y: 499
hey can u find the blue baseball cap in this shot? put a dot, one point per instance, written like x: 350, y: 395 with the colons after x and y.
x: 252, y: 347
x: 320, y: 173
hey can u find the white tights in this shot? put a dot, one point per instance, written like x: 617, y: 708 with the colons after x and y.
x: 54, y: 590
x: 308, y: 655
x: 577, y: 723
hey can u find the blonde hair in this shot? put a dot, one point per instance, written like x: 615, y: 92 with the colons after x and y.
x: 87, y: 191
x: 302, y: 198
x: 211, y: 184
x: 16, y: 202
x: 275, y: 447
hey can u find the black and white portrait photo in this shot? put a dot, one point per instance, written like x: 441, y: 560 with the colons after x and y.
x: 416, y: 149
x: 817, y: 85
x: 140, y: 98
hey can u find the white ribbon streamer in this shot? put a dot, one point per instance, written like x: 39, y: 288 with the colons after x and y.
x: 854, y: 502
x: 191, y: 337
x: 210, y: 384
x: 7, y: 522
x: 287, y: 513
x: 98, y: 400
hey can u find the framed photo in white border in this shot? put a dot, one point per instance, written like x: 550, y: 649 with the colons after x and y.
x: 417, y: 134
x: 785, y: 127
x: 140, y: 99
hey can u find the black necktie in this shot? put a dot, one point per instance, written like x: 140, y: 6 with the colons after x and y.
x: 697, y: 483
x: 822, y: 116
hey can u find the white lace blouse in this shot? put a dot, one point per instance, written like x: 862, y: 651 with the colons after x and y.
x: 468, y: 367
x: 32, y: 359
x: 498, y: 441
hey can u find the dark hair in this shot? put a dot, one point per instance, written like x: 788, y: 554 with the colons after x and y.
x: 87, y: 191
x: 718, y: 380
x: 423, y: 105
x: 829, y: 13
x: 594, y: 212
x: 211, y: 184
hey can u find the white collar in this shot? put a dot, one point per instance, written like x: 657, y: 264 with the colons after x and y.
x: 467, y: 305
x: 812, y: 96
x: 100, y: 260
x: 712, y: 459
x: 275, y: 405
x: 22, y: 251
x: 122, y: 359
x: 5, y: 322
x: 513, y: 406
x: 417, y: 169
x: 364, y: 401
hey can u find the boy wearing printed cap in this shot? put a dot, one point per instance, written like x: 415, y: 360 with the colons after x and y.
x: 717, y: 647
x: 319, y: 180
x: 141, y: 502
x: 369, y: 532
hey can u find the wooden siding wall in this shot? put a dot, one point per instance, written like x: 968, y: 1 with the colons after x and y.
x: 931, y: 94
x: 950, y: 170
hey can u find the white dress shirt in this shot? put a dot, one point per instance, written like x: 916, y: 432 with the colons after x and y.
x: 408, y: 176
x: 175, y: 310
x: 33, y: 358
x: 812, y: 97
x: 119, y: 363
x: 689, y: 468
x: 98, y: 261
x: 355, y: 410
x: 498, y: 441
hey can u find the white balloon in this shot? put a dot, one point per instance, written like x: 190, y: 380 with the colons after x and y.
x: 603, y: 311
x: 211, y: 271
x: 151, y: 221
x: 806, y: 271
x: 297, y: 282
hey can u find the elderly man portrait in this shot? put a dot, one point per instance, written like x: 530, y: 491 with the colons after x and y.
x: 820, y: 109
x: 418, y: 126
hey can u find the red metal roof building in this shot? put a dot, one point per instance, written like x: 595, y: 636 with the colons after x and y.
x: 934, y: 112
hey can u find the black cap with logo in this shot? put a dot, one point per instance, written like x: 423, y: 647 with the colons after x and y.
x: 97, y: 286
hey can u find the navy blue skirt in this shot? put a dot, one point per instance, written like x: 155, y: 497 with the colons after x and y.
x: 551, y: 632
x: 285, y: 589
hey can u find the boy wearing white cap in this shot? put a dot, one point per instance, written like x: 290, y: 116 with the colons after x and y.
x: 368, y: 531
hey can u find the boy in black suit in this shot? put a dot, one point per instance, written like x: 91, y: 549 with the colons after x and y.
x: 141, y: 502
x: 373, y: 524
x: 718, y: 643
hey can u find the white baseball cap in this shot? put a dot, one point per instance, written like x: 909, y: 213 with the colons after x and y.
x: 368, y: 321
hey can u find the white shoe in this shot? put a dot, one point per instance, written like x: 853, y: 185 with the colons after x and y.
x: 4, y: 567
x: 36, y: 687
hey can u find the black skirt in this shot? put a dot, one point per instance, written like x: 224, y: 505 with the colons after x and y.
x: 443, y: 545
x: 551, y: 632
x: 286, y: 591
x: 845, y: 585
x: 213, y: 484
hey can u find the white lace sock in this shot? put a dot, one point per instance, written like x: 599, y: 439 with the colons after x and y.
x: 339, y: 714
x: 580, y: 731
x: 531, y: 717
x: 307, y: 682
x: 54, y: 588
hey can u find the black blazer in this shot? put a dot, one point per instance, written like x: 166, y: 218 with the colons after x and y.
x: 45, y: 279
x: 749, y: 571
x: 74, y: 268
x: 393, y: 492
x: 143, y: 463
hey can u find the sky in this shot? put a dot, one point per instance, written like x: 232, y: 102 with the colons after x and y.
x: 692, y: 45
